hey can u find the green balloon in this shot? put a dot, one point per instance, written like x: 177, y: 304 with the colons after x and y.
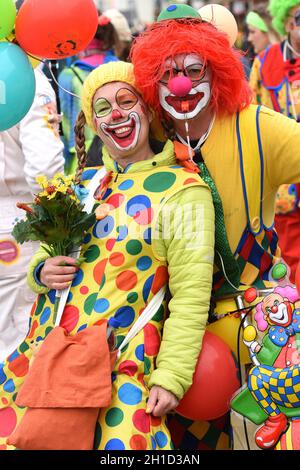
x: 7, y: 17
x: 279, y: 271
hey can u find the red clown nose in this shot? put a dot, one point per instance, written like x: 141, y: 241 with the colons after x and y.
x: 116, y: 114
x: 180, y: 86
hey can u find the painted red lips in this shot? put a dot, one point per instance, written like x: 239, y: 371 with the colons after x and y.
x: 192, y: 100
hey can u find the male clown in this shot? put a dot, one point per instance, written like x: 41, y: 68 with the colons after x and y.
x: 189, y: 73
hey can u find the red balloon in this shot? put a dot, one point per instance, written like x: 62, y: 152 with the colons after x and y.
x: 56, y: 29
x: 215, y: 381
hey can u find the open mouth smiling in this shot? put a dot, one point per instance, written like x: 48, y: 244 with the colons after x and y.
x: 123, y: 134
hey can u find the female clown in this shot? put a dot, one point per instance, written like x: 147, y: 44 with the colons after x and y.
x: 150, y: 232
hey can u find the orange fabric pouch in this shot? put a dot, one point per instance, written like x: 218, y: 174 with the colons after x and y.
x: 67, y: 384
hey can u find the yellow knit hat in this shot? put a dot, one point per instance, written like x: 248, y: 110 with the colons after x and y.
x: 106, y: 73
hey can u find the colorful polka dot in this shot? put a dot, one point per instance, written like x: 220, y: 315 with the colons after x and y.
x: 88, y: 174
x: 101, y: 305
x: 130, y: 394
x: 155, y: 421
x: 104, y: 227
x: 147, y: 287
x: 123, y: 232
x: 2, y: 376
x: 98, y: 271
x: 190, y: 180
x: 82, y: 327
x: 138, y: 442
x: 144, y: 217
x: 19, y: 366
x: 117, y: 259
x: 132, y: 297
x: 92, y: 253
x: 89, y: 303
x: 98, y: 436
x: 70, y: 297
x: 9, y: 386
x: 110, y: 244
x: 84, y: 290
x: 78, y: 278
x: 107, y: 193
x: 159, y: 314
x: 128, y: 367
x: 134, y: 247
x: 40, y: 305
x: 45, y: 315
x: 161, y: 439
x: 147, y: 236
x: 147, y: 365
x: 116, y: 200
x: 70, y: 318
x: 127, y: 184
x: 159, y: 182
x: 115, y: 444
x: 160, y: 279
x: 125, y: 315
x: 8, y: 421
x: 52, y: 296
x: 139, y: 352
x: 126, y: 280
x: 153, y: 443
x: 137, y: 204
x: 87, y: 239
x: 141, y: 421
x: 144, y: 263
x: 152, y: 340
x: 114, y: 417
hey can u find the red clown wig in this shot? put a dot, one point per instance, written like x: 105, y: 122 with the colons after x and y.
x: 165, y: 39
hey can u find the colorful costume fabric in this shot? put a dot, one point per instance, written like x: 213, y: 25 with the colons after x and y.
x: 275, y: 81
x: 122, y: 272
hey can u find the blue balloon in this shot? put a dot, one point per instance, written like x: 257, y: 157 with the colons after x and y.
x: 17, y: 85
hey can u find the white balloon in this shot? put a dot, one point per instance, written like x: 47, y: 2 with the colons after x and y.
x: 222, y: 19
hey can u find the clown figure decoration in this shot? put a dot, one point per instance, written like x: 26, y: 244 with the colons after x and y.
x: 275, y: 382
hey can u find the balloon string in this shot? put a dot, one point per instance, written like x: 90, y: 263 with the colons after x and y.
x: 44, y: 61
x: 59, y: 86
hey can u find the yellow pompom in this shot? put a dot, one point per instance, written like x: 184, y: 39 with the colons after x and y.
x: 249, y: 333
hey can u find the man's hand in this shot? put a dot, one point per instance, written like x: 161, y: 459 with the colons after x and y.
x: 58, y: 272
x: 161, y: 401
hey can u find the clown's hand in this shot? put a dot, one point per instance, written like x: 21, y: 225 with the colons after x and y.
x: 161, y: 401
x: 249, y: 336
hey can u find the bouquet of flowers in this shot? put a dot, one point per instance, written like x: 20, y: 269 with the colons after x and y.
x: 56, y: 217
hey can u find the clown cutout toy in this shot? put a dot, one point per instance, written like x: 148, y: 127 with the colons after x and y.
x: 272, y: 393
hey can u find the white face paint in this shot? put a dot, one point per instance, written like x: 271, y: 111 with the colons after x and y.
x: 125, y: 134
x: 281, y: 316
x: 199, y: 96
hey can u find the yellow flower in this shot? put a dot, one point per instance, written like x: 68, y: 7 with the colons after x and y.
x: 62, y: 188
x: 42, y: 181
x: 52, y: 195
x: 43, y: 193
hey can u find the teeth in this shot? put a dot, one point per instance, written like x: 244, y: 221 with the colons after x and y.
x: 122, y: 130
